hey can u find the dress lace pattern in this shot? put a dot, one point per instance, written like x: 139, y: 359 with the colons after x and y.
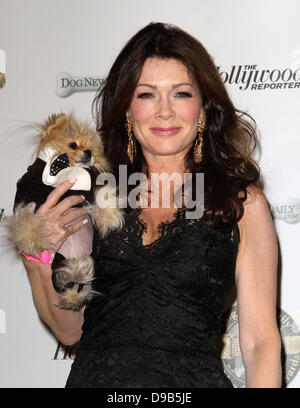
x: 156, y: 321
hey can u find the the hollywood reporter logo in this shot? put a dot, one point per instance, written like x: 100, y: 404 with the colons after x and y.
x: 253, y: 78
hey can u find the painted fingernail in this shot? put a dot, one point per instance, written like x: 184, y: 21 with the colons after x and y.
x: 83, y: 197
x: 85, y: 221
x: 73, y: 180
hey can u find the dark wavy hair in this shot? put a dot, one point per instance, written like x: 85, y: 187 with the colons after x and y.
x: 229, y: 138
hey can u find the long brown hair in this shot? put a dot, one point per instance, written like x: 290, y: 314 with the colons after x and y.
x: 229, y: 137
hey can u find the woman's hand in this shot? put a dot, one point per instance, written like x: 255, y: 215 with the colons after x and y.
x: 59, y: 221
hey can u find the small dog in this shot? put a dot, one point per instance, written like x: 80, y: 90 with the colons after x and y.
x: 67, y: 149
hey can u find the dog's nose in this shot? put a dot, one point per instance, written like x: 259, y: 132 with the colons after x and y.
x: 87, y: 154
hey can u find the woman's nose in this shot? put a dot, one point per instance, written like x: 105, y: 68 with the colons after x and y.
x: 164, y: 109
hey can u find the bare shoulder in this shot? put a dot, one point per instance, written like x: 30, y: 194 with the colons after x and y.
x: 255, y: 199
x: 257, y: 214
x: 258, y: 239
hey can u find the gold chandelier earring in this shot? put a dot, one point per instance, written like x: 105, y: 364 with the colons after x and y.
x: 130, y: 148
x: 199, y: 142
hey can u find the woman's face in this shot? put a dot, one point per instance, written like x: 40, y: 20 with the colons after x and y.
x: 165, y: 108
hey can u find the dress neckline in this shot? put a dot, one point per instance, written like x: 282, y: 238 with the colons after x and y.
x: 162, y: 228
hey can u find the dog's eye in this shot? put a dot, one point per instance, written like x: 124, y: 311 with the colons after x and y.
x: 73, y: 145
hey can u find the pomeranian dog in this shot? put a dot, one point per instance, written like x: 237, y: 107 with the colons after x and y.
x: 67, y: 149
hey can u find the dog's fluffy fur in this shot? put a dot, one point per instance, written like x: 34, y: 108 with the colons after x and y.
x: 74, y: 275
x: 79, y: 272
x: 25, y: 229
x: 66, y: 135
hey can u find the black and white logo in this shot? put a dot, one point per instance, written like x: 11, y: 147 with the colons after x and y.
x: 255, y: 78
x: 287, y: 210
x: 231, y: 353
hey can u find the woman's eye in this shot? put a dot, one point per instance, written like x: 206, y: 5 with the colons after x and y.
x: 73, y: 145
x: 144, y: 95
x: 184, y: 94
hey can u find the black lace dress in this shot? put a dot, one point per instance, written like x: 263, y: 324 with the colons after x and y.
x: 157, y: 320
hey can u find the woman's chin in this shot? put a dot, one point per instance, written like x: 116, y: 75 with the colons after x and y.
x: 167, y: 152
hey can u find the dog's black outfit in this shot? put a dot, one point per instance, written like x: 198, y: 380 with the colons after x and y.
x: 30, y: 188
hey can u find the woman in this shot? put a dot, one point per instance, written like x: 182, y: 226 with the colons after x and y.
x: 164, y: 278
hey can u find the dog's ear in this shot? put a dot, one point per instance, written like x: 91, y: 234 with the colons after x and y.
x: 54, y: 121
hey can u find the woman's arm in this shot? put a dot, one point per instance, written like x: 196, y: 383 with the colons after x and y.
x: 256, y: 280
x: 57, y: 226
x: 65, y: 324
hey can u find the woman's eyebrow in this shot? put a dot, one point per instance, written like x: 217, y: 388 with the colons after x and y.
x: 149, y: 85
x: 174, y: 86
x: 183, y: 84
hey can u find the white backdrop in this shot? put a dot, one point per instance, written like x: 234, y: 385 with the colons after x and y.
x: 42, y: 39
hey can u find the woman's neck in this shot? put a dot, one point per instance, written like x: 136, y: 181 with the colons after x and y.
x: 165, y: 164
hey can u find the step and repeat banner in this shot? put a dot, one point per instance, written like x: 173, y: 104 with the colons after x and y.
x: 53, y: 57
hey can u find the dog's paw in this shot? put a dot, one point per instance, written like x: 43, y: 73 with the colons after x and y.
x: 74, y: 299
x: 78, y: 271
x: 106, y: 213
x: 24, y: 229
x: 108, y: 219
x: 73, y: 280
